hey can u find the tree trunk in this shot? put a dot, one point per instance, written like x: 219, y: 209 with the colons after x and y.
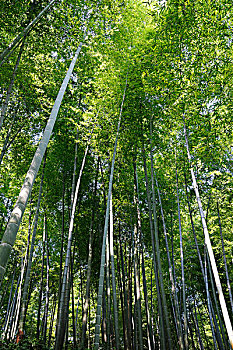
x: 72, y: 296
x: 9, y: 236
x: 47, y: 283
x: 121, y: 296
x: 16, y: 309
x: 148, y: 318
x: 38, y: 327
x: 29, y: 266
x: 126, y: 314
x: 52, y: 320
x: 108, y: 310
x: 9, y: 302
x: 225, y: 260
x: 10, y: 316
x: 202, y: 324
x: 71, y: 260
x: 182, y: 268
x: 161, y: 329
x: 61, y: 312
x: 197, y: 327
x: 9, y: 90
x: 129, y: 296
x: 209, y: 302
x: 115, y: 310
x: 219, y: 339
x: 8, y: 51
x: 102, y: 264
x: 74, y: 172
x: 6, y: 142
x: 174, y: 292
x: 87, y: 294
x: 62, y: 240
x: 209, y: 247
x: 164, y: 301
x: 138, y: 315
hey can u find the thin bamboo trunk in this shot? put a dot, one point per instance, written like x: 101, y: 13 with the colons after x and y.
x: 9, y: 301
x: 125, y: 308
x: 104, y: 323
x: 9, y: 90
x: 76, y: 314
x: 193, y: 326
x: 74, y: 171
x: 81, y: 289
x: 129, y: 296
x: 163, y: 295
x: 160, y: 308
x: 52, y: 320
x: 29, y: 265
x: 30, y: 290
x: 174, y: 316
x: 121, y: 296
x: 71, y: 260
x: 4, y: 148
x: 72, y: 300
x: 9, y: 320
x: 66, y: 309
x: 193, y: 228
x: 115, y: 309
x: 225, y: 260
x: 197, y: 327
x: 203, y: 326
x: 62, y: 241
x: 87, y: 293
x: 89, y: 327
x: 182, y: 268
x: 108, y: 309
x: 135, y: 323
x: 9, y: 236
x: 209, y: 301
x: 102, y: 264
x: 172, y: 279
x: 173, y: 255
x: 60, y: 326
x: 209, y: 247
x: 29, y: 233
x: 9, y: 141
x: 8, y: 51
x: 38, y: 324
x: 219, y: 338
x: 16, y: 310
x: 191, y: 335
x: 47, y: 283
x: 148, y: 318
x: 138, y: 315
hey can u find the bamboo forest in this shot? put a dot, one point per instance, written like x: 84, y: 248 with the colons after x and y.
x: 116, y: 174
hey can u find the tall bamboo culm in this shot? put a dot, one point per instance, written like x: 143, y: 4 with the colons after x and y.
x: 102, y: 263
x: 10, y: 234
x: 209, y: 246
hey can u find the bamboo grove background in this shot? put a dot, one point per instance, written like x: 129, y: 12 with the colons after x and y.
x: 116, y: 118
